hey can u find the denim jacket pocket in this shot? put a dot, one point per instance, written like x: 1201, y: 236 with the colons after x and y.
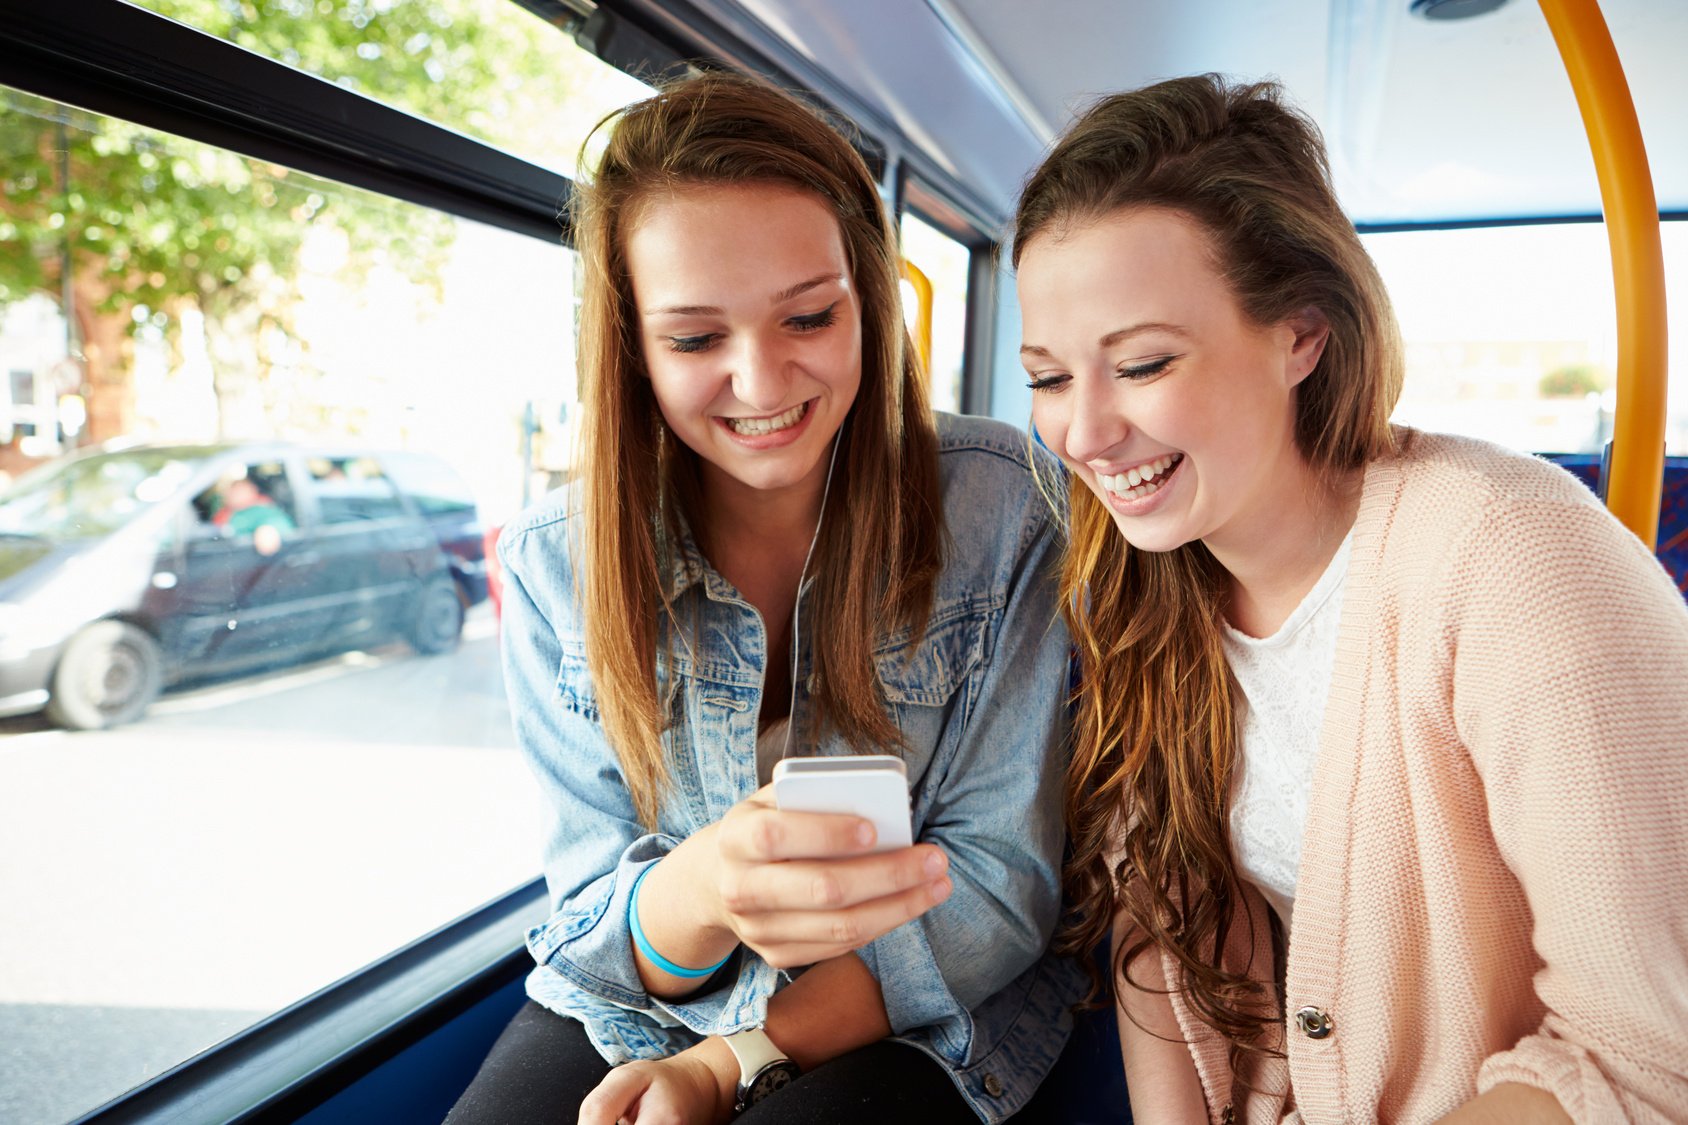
x: 574, y: 680
x: 926, y: 672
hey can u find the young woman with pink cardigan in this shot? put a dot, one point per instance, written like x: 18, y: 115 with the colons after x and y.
x: 1381, y: 779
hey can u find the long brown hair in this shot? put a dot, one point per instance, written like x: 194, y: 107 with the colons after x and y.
x: 878, y: 553
x: 1155, y: 735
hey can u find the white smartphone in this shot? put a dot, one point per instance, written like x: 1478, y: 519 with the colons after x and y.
x: 871, y: 786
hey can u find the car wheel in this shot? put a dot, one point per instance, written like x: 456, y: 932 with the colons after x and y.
x: 439, y: 617
x: 109, y: 673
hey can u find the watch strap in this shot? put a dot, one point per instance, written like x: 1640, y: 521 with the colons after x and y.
x: 754, y: 1051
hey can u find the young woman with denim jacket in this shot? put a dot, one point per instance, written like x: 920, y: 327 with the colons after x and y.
x: 759, y: 439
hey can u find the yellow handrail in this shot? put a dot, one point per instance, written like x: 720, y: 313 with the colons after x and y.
x: 1633, y: 485
x: 923, y: 313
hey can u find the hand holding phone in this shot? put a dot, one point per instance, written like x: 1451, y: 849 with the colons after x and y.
x: 794, y: 880
x: 871, y: 786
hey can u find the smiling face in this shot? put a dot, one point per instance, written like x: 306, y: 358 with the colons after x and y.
x: 1153, y: 386
x: 751, y: 329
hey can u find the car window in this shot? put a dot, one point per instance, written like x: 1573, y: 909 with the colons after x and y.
x: 253, y: 501
x: 432, y: 485
x: 91, y: 496
x: 352, y: 489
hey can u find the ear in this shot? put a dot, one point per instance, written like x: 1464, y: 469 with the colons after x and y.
x: 1311, y: 331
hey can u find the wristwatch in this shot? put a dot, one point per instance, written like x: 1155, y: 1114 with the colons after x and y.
x: 763, y: 1067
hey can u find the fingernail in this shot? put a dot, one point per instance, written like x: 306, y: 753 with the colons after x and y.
x: 864, y: 834
x: 940, y: 890
x: 935, y: 863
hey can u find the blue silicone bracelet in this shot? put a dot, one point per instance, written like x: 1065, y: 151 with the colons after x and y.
x: 643, y: 943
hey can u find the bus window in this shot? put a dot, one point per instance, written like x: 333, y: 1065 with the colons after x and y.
x: 301, y: 801
x: 944, y: 262
x: 1510, y: 332
x: 488, y: 68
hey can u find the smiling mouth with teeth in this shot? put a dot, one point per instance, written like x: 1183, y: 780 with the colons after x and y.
x: 1144, y: 480
x: 756, y: 427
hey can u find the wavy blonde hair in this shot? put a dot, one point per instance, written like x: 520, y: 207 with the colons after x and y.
x: 1156, y: 731
x: 879, y: 549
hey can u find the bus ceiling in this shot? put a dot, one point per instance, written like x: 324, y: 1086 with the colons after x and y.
x: 1428, y: 121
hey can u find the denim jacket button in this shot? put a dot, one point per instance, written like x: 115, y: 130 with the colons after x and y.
x: 993, y: 1085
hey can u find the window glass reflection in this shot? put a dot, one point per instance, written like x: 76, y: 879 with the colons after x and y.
x: 944, y: 262
x: 489, y: 68
x: 1518, y: 343
x: 254, y: 729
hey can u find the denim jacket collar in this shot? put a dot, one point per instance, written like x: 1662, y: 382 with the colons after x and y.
x: 681, y: 565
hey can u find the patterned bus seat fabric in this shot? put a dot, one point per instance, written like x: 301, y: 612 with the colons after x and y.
x: 1673, y: 508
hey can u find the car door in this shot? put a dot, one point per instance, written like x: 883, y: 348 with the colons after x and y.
x: 251, y: 587
x: 375, y: 548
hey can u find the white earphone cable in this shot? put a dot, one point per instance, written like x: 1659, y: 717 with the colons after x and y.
x: 797, y: 606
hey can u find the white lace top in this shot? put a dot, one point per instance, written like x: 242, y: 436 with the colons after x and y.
x: 1285, y: 680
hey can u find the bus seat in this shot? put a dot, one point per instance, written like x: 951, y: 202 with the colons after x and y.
x: 1673, y: 507
x: 422, y: 1080
x: 1087, y: 1085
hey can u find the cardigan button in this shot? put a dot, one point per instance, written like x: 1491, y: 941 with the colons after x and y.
x: 993, y: 1085
x: 1228, y: 1115
x: 1313, y: 1022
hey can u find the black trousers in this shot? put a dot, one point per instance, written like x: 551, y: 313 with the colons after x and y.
x: 543, y: 1066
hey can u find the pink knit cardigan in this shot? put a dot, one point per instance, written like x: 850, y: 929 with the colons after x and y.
x: 1494, y: 875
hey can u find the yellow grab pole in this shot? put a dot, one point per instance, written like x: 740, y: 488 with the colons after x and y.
x: 922, y: 314
x: 1638, y: 265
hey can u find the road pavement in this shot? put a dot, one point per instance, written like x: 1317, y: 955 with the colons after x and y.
x: 166, y: 884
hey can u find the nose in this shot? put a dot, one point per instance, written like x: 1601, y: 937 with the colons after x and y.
x: 761, y: 374
x: 1098, y: 421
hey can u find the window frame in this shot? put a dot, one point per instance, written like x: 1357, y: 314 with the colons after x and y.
x: 290, y: 1062
x: 117, y: 60
x: 928, y: 205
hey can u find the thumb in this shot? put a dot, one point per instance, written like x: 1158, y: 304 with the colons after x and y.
x: 615, y: 1096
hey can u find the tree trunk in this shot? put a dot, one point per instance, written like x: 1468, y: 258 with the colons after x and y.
x: 237, y: 369
x: 108, y: 382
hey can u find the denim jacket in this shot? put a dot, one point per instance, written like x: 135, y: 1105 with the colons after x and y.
x: 979, y: 699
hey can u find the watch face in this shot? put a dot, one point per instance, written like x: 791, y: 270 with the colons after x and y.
x: 780, y: 1072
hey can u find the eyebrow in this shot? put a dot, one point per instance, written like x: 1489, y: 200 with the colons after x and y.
x: 797, y: 290
x: 1118, y: 335
x: 803, y: 287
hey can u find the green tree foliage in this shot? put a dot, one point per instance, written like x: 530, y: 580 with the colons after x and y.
x: 484, y: 67
x: 1574, y: 380
x: 150, y: 220
x: 153, y: 224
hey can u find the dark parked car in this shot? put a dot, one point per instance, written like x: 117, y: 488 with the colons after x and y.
x: 124, y: 570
